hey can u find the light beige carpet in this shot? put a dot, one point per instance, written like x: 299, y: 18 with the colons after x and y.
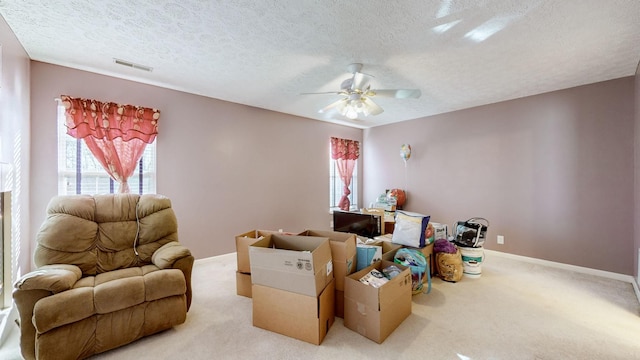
x: 515, y: 310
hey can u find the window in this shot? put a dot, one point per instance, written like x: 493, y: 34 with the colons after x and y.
x: 79, y: 172
x: 336, y: 186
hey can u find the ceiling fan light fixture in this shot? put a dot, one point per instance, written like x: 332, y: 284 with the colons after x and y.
x: 357, y: 93
x: 353, y: 107
x: 351, y: 112
x: 365, y: 110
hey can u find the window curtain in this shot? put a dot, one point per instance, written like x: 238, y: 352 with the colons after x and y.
x: 345, y: 152
x: 115, y: 134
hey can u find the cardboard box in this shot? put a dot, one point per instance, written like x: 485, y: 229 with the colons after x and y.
x: 339, y: 303
x: 376, y: 312
x: 306, y: 318
x: 343, y: 253
x: 388, y: 249
x: 243, y: 284
x: 300, y: 264
x: 243, y: 241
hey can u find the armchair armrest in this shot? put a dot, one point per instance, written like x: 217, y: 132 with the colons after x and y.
x: 167, y: 255
x: 174, y: 255
x: 30, y: 288
x: 54, y: 278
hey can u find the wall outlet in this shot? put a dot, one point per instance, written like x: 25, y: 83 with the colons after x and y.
x: 500, y: 239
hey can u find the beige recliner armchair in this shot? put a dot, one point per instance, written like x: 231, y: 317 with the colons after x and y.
x: 110, y: 270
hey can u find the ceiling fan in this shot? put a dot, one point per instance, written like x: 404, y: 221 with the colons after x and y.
x: 357, y: 94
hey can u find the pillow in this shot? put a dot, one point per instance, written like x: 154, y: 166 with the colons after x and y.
x: 410, y: 229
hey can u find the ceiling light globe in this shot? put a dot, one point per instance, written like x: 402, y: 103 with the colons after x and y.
x: 351, y: 113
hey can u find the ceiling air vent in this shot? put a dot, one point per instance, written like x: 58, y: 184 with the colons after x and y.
x: 132, y: 65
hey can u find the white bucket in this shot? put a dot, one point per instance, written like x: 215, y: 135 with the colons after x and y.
x: 472, y: 261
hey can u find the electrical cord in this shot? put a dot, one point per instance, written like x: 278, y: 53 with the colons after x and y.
x: 135, y: 241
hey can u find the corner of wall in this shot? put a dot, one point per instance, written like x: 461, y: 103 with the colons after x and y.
x: 636, y: 288
x: 636, y: 230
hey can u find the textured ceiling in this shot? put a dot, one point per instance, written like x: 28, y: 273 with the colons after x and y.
x: 266, y: 53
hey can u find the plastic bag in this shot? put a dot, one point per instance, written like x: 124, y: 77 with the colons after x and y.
x: 471, y: 233
x: 419, y: 266
x: 450, y: 267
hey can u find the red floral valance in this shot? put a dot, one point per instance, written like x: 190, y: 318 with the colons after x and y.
x: 344, y: 149
x: 108, y: 120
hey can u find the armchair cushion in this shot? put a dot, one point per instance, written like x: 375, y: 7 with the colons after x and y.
x: 162, y: 284
x: 64, y: 308
x: 130, y: 292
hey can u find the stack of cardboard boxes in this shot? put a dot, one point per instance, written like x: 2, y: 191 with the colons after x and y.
x: 298, y: 283
x: 243, y: 274
x: 293, y: 287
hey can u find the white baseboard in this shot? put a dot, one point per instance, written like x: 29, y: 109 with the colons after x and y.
x: 213, y: 258
x: 636, y: 287
x: 578, y: 269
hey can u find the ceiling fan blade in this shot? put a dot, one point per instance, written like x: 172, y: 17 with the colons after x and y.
x: 326, y: 92
x: 338, y: 105
x: 372, y: 108
x: 396, y: 93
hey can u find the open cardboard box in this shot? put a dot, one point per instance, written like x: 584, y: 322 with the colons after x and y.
x: 376, y: 312
x: 387, y: 250
x: 243, y: 241
x: 300, y: 264
x: 343, y: 253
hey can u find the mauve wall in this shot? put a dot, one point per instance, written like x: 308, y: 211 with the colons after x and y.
x: 553, y: 173
x: 228, y: 168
